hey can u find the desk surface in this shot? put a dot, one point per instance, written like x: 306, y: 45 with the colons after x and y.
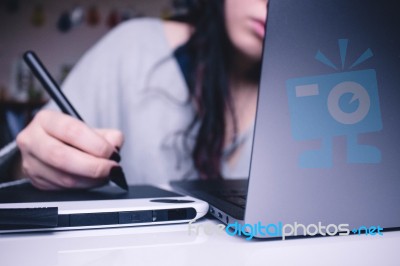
x: 172, y: 245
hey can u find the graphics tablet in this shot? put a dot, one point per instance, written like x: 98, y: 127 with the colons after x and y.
x: 25, y: 208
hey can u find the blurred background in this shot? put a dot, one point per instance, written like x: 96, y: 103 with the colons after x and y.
x: 59, y: 32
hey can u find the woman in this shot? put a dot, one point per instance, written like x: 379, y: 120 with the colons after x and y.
x: 182, y: 95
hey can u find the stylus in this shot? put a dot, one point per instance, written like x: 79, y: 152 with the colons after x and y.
x: 41, y: 73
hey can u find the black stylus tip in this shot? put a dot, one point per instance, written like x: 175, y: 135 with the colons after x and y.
x: 118, y: 177
x: 115, y: 157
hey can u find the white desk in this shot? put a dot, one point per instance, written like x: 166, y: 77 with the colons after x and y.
x: 172, y: 245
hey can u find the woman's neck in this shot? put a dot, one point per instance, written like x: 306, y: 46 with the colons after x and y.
x: 243, y: 80
x: 244, y: 71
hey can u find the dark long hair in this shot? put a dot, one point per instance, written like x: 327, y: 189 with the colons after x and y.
x: 209, y: 50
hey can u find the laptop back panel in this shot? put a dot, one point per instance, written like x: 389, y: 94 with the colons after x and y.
x: 327, y: 128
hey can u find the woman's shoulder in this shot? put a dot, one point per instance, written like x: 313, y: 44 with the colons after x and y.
x: 151, y: 29
x: 137, y: 29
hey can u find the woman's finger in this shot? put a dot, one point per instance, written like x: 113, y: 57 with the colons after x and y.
x: 74, y: 133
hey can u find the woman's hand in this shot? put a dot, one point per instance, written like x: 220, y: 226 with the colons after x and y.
x: 61, y: 152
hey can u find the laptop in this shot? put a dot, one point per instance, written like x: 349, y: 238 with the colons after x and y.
x: 325, y: 158
x: 24, y: 208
